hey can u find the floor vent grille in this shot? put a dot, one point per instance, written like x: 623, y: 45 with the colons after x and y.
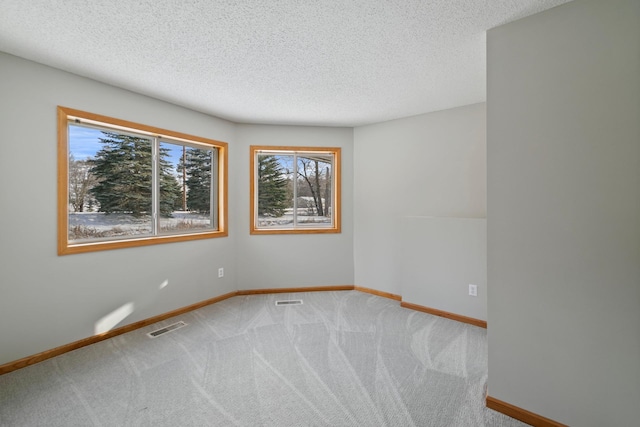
x: 289, y: 302
x: 166, y: 329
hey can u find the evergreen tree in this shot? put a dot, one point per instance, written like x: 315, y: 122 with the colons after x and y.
x: 170, y: 194
x: 123, y: 168
x: 198, y: 183
x: 272, y: 187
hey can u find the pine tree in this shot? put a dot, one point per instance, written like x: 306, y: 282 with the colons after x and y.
x: 170, y: 194
x: 123, y: 168
x: 272, y: 187
x: 198, y: 183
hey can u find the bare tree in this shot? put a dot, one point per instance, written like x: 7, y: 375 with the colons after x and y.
x: 81, y: 180
x: 311, y: 171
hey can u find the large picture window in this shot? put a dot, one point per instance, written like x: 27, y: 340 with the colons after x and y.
x: 295, y: 190
x: 123, y: 184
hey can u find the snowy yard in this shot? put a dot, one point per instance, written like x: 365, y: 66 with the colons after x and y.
x: 286, y: 220
x: 91, y: 225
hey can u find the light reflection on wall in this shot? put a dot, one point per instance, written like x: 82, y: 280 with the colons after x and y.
x: 107, y: 323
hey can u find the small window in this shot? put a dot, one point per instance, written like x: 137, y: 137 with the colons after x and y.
x: 295, y: 190
x: 123, y: 184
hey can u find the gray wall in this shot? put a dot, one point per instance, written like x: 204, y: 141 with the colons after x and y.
x: 49, y: 300
x: 286, y: 260
x: 431, y: 165
x: 563, y: 145
x: 438, y: 258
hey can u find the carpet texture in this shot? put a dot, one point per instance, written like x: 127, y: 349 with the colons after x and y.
x: 340, y: 359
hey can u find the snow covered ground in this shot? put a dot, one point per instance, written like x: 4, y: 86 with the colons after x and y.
x: 98, y: 225
x: 286, y: 220
x: 88, y: 225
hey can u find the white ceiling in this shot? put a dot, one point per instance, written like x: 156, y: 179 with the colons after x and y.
x: 312, y: 62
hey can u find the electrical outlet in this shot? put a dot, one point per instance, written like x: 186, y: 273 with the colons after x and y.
x: 220, y: 272
x: 473, y: 290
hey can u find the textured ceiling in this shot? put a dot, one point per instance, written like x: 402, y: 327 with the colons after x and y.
x: 331, y: 62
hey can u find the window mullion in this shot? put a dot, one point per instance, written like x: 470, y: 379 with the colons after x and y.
x: 213, y: 205
x: 295, y: 190
x: 155, y: 186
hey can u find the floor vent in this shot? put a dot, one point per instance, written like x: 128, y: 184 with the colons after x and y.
x: 289, y: 302
x: 166, y: 329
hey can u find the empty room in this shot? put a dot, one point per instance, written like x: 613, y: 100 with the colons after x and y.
x: 327, y: 213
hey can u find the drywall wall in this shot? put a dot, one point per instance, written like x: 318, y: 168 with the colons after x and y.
x: 428, y: 165
x: 48, y: 300
x: 563, y: 113
x: 439, y: 258
x: 293, y: 260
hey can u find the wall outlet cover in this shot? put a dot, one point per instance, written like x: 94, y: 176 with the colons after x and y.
x: 473, y: 290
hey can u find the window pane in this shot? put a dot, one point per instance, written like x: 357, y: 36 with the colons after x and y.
x: 275, y: 190
x: 110, y: 184
x: 123, y: 184
x: 185, y: 187
x: 314, y: 186
x: 295, y: 190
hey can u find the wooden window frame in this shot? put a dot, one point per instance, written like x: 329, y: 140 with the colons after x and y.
x: 306, y: 229
x: 65, y: 247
